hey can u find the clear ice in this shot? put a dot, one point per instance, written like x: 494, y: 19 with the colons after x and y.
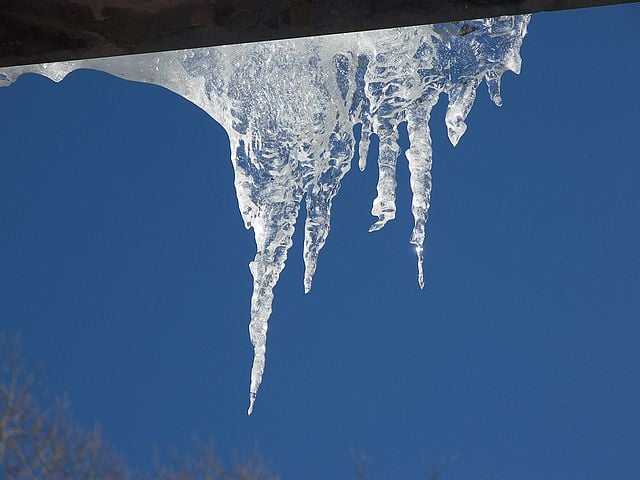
x: 289, y: 108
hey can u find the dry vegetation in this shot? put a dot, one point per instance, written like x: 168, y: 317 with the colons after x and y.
x: 39, y: 440
x: 45, y: 443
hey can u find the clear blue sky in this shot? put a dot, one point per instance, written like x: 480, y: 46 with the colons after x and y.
x: 123, y: 263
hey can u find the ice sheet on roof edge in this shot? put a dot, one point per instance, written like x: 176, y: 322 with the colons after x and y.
x: 289, y: 108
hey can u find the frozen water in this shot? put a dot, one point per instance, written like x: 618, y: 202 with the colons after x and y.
x: 289, y: 108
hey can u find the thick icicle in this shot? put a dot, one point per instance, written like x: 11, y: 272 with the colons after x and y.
x: 384, y: 205
x: 290, y: 106
x: 273, y: 240
x: 318, y: 199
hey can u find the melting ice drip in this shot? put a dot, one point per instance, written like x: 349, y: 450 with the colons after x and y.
x: 289, y: 108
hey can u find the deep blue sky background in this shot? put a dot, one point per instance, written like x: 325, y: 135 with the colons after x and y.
x: 123, y: 263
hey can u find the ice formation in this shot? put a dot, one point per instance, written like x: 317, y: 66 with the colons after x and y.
x: 289, y: 108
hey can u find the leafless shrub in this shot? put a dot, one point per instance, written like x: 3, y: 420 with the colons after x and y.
x: 37, y: 443
x: 435, y: 472
x: 360, y: 463
x: 202, y: 463
x: 47, y: 444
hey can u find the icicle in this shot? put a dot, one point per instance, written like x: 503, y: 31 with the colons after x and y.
x: 273, y: 228
x: 290, y: 107
x: 419, y: 157
x: 384, y: 205
x: 461, y: 98
x: 318, y: 200
x: 363, y: 147
x: 493, y: 85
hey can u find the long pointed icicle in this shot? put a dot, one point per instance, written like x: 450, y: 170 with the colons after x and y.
x: 419, y: 156
x: 274, y: 234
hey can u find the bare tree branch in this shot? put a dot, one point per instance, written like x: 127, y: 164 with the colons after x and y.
x: 37, y: 443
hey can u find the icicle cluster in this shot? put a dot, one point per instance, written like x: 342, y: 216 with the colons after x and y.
x: 289, y: 108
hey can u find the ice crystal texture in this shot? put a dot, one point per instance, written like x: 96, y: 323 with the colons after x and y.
x: 289, y: 108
